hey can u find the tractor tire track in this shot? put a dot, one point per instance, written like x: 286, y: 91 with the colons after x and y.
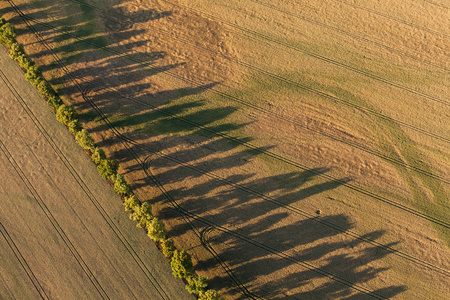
x: 311, y: 54
x: 54, y: 223
x: 117, y: 132
x: 398, y: 20
x: 21, y: 259
x: 83, y: 185
x: 290, y: 120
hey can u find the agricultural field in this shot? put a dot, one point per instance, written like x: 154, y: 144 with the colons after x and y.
x: 63, y: 232
x: 297, y: 149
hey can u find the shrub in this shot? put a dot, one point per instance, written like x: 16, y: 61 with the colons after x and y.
x: 107, y: 168
x: 131, y: 203
x: 34, y: 74
x: 66, y: 114
x: 16, y: 50
x: 45, y: 89
x: 7, y: 34
x: 74, y: 126
x: 196, y: 285
x: 181, y: 264
x: 85, y: 140
x: 210, y: 295
x: 143, y: 215
x: 98, y: 155
x: 25, y: 61
x: 167, y: 248
x: 2, y: 21
x: 120, y: 185
x: 156, y: 230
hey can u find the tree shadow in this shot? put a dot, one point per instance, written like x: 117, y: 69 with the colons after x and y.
x: 272, y: 245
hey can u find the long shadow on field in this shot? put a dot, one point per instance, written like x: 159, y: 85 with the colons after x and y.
x: 272, y: 236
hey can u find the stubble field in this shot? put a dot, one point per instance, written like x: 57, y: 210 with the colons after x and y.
x: 297, y: 149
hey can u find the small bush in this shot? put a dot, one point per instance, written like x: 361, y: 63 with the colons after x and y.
x: 74, y: 127
x: 16, y: 50
x: 66, y: 114
x: 120, y: 185
x: 196, y: 285
x: 25, y: 61
x: 131, y: 203
x: 98, y: 155
x: 181, y: 264
x: 34, y: 74
x: 45, y: 89
x: 210, y: 295
x: 107, y: 168
x: 7, y: 34
x: 167, y: 248
x: 85, y: 140
x: 143, y: 215
x: 156, y: 230
x: 2, y: 21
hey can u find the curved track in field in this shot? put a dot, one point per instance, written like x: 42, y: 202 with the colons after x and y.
x: 86, y: 90
x: 279, y: 116
x: 125, y: 140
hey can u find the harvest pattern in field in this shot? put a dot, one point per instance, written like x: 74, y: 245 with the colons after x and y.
x: 280, y: 141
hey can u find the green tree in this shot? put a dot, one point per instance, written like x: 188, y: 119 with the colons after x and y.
x: 16, y: 50
x: 107, y: 168
x: 74, y: 126
x: 45, y: 89
x: 167, y: 248
x: 2, y: 21
x: 131, y: 203
x: 120, y: 185
x: 210, y: 295
x: 143, y: 215
x: 25, y: 61
x: 66, y: 114
x: 156, y: 230
x: 7, y: 34
x: 196, y: 285
x: 181, y: 264
x: 98, y: 155
x: 85, y: 140
x: 34, y: 75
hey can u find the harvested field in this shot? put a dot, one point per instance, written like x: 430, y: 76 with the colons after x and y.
x: 64, y: 234
x: 299, y: 150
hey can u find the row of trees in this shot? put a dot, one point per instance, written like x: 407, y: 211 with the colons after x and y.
x: 180, y: 261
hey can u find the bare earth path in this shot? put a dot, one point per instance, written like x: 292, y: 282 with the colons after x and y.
x: 63, y: 231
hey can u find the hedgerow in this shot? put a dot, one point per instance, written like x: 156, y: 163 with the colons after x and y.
x: 181, y: 264
x: 108, y: 168
x: 84, y: 139
x: 180, y: 261
x: 66, y: 114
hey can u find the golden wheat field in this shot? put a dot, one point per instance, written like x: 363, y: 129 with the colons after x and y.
x: 297, y: 149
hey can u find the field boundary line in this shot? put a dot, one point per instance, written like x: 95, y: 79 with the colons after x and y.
x: 84, y: 186
x: 358, y: 189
